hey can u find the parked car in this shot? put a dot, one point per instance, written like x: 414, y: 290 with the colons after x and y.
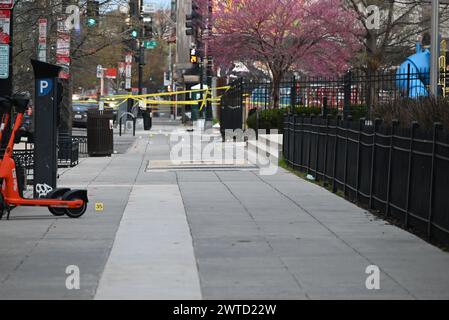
x: 80, y: 110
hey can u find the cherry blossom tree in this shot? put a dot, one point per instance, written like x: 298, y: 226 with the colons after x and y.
x: 312, y: 36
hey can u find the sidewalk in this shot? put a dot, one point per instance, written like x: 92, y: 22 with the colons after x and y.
x: 215, y: 234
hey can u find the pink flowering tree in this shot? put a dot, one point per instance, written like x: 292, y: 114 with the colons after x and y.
x: 313, y: 36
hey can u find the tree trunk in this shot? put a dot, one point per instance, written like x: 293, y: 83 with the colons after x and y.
x: 374, y: 61
x: 275, y: 94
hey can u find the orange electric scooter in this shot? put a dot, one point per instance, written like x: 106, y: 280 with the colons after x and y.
x: 59, y: 202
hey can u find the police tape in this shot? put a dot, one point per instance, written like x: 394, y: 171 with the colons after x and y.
x: 165, y: 94
x: 149, y: 99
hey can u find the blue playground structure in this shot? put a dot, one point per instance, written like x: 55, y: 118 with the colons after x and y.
x: 413, y: 76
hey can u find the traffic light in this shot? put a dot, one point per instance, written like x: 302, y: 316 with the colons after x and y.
x: 194, y: 58
x: 148, y: 27
x: 93, y: 13
x: 193, y: 20
x: 133, y: 8
x: 134, y: 33
x: 189, y: 25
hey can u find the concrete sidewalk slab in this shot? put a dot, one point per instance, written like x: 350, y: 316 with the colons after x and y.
x: 211, y: 235
x: 152, y: 257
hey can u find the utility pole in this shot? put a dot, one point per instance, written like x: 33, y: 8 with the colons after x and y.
x: 208, y: 65
x: 434, y: 67
x: 141, y: 48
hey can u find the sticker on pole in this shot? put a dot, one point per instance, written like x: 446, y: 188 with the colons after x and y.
x: 5, y: 26
x: 6, y: 4
x: 4, y: 61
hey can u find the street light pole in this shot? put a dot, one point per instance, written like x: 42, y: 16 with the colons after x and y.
x: 434, y: 68
x: 141, y: 49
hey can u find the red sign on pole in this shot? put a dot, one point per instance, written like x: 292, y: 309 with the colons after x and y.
x: 111, y: 73
x: 6, y: 4
x: 5, y: 26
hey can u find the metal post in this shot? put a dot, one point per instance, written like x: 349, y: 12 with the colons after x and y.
x: 410, y: 171
x: 293, y: 95
x: 141, y: 48
x: 334, y: 180
x: 390, y: 164
x: 301, y: 131
x: 347, y: 95
x: 324, y: 110
x: 141, y: 64
x: 309, y: 158
x: 437, y: 126
x: 408, y: 79
x: 359, y: 145
x: 434, y: 68
x: 345, y: 170
x: 326, y: 142
x: 134, y: 126
x: 377, y: 123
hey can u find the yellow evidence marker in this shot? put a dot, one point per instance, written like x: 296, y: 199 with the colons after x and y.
x: 99, y: 207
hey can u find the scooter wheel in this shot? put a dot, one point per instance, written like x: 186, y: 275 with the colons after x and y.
x: 76, y: 213
x: 57, y: 212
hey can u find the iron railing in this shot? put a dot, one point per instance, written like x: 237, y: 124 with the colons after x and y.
x: 355, y: 88
x: 398, y: 171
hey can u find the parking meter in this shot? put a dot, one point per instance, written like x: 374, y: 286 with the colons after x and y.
x: 48, y: 95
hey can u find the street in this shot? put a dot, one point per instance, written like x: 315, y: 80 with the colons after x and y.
x: 161, y: 235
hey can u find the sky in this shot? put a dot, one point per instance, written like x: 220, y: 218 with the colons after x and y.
x: 162, y: 3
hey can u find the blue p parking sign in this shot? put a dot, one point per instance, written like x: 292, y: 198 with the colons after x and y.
x: 45, y: 86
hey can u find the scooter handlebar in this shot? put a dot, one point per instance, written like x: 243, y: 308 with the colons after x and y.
x: 20, y: 102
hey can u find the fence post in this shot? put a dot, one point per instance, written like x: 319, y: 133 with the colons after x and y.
x: 334, y: 184
x: 286, y: 137
x: 408, y: 79
x: 436, y: 127
x: 242, y: 101
x: 326, y: 143
x: 292, y: 137
x: 359, y: 144
x: 293, y: 95
x: 390, y: 160
x: 294, y: 142
x: 317, y: 148
x: 347, y: 94
x: 324, y: 110
x: 257, y: 123
x: 309, y: 158
x: 377, y: 123
x: 414, y: 126
x: 134, y: 126
x: 345, y: 177
x: 301, y: 131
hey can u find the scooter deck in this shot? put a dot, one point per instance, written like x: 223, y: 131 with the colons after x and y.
x: 45, y: 203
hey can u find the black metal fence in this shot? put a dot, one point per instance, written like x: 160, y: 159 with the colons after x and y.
x: 355, y: 88
x: 401, y: 172
x: 70, y: 149
x: 82, y: 146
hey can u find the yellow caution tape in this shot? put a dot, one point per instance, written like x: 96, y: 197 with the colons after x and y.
x: 207, y: 97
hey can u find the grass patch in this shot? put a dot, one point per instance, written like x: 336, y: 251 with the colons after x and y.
x: 303, y: 175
